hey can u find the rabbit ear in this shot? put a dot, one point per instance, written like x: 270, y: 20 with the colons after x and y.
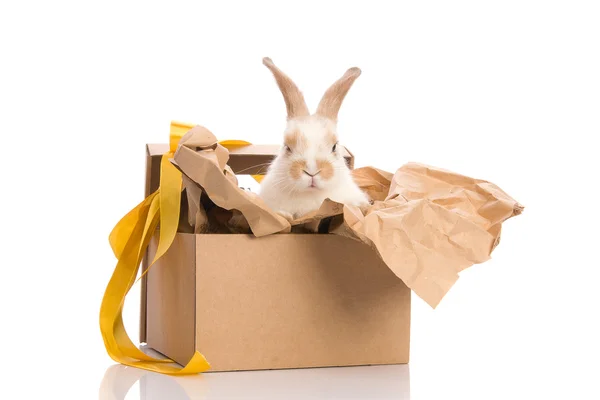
x: 294, y: 100
x: 332, y: 99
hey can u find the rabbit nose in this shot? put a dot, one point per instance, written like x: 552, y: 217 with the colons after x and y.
x: 311, y: 175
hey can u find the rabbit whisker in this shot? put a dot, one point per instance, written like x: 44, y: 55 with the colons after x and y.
x: 254, y: 166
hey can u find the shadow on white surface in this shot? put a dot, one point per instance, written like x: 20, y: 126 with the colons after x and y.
x: 368, y: 382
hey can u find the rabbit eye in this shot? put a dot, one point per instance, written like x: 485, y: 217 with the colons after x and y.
x: 288, y: 149
x: 334, y: 148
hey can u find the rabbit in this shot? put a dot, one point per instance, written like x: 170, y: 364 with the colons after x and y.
x: 309, y: 167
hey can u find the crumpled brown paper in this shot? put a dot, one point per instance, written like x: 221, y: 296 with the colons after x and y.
x: 426, y: 224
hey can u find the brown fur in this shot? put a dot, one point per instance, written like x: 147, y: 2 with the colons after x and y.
x: 295, y: 141
x: 297, y: 167
x: 326, y: 169
x: 294, y: 100
x: 332, y: 99
x: 331, y: 138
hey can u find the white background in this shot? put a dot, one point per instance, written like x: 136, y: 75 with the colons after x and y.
x: 503, y: 91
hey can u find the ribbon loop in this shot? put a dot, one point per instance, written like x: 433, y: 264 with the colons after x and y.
x: 129, y: 240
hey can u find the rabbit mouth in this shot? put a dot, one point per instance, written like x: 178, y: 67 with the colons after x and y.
x: 313, y: 185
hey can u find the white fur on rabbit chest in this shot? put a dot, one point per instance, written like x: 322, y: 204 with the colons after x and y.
x: 300, y: 203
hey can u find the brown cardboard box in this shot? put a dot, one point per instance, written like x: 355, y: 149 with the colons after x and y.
x: 281, y: 301
x: 277, y: 299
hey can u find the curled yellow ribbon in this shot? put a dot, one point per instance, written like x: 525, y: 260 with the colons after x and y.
x: 129, y: 240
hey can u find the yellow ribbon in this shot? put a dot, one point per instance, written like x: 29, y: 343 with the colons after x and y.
x: 129, y: 240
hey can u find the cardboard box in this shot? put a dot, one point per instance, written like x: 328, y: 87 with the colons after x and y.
x: 277, y: 298
x: 280, y: 301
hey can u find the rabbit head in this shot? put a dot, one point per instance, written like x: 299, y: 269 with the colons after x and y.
x: 310, y: 162
x: 311, y: 154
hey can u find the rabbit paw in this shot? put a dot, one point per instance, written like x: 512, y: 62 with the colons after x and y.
x: 289, y: 217
x: 365, y: 206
